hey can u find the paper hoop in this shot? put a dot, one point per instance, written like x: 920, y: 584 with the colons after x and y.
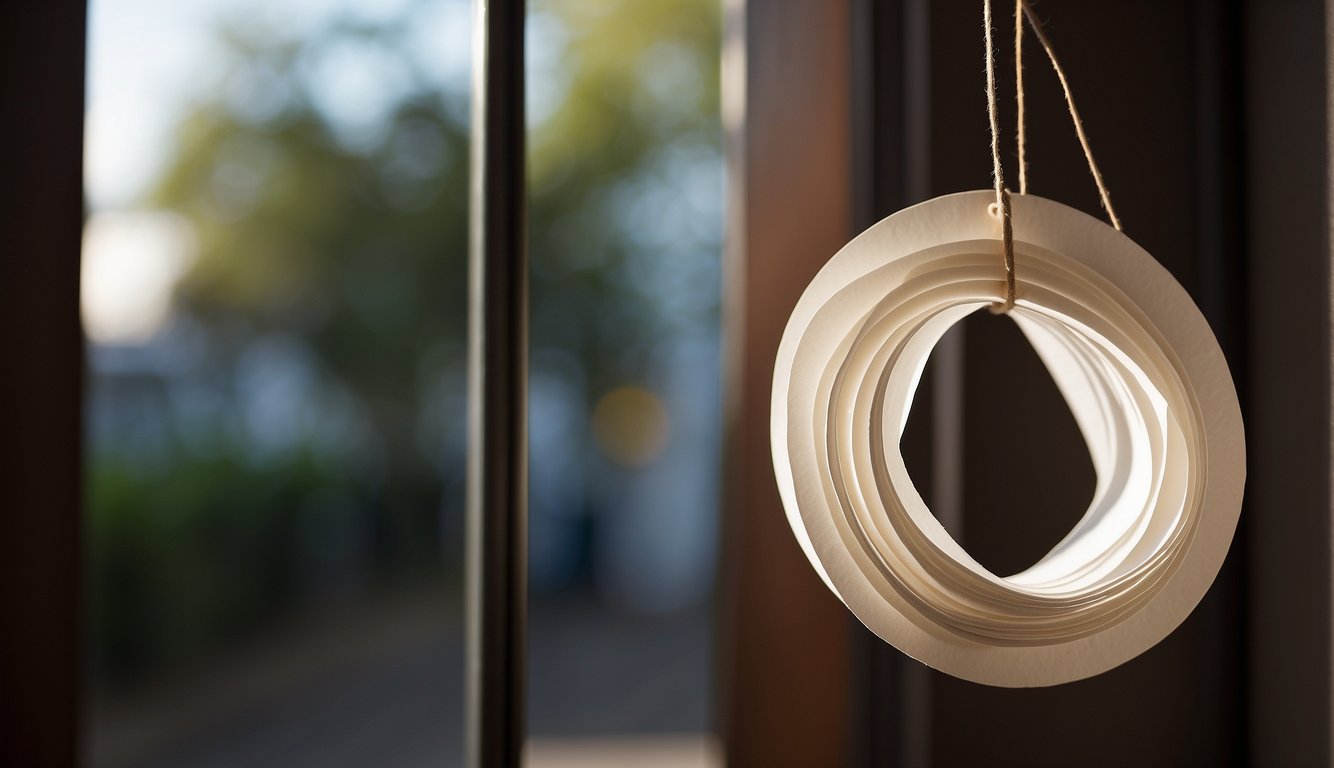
x: 1145, y: 381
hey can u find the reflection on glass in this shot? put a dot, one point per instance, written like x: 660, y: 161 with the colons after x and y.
x: 274, y: 293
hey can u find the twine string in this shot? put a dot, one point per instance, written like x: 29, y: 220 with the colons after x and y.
x: 1041, y: 35
x: 997, y: 170
x: 1020, y: 139
x: 1023, y: 10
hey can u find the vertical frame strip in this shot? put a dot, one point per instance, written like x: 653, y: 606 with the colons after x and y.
x: 41, y: 382
x: 497, y: 502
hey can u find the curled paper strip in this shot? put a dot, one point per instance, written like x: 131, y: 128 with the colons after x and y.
x: 1146, y: 383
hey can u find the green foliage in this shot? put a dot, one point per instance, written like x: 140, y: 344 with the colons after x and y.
x: 184, y: 560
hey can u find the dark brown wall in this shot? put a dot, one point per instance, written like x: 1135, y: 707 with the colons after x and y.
x: 1287, y: 411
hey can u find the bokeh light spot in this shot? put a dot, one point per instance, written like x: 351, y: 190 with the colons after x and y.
x: 631, y: 426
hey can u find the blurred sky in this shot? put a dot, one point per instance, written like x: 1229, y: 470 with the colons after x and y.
x: 148, y: 61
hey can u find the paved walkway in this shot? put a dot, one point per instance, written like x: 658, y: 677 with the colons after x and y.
x: 383, y: 687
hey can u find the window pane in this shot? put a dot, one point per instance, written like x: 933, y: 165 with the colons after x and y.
x: 626, y: 185
x: 274, y: 293
x: 275, y: 297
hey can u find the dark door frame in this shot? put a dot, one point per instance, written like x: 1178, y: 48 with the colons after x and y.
x: 41, y: 381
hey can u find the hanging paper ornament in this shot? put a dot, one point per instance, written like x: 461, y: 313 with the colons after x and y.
x: 1134, y: 359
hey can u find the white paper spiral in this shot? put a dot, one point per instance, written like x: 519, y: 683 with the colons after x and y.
x: 1146, y: 383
